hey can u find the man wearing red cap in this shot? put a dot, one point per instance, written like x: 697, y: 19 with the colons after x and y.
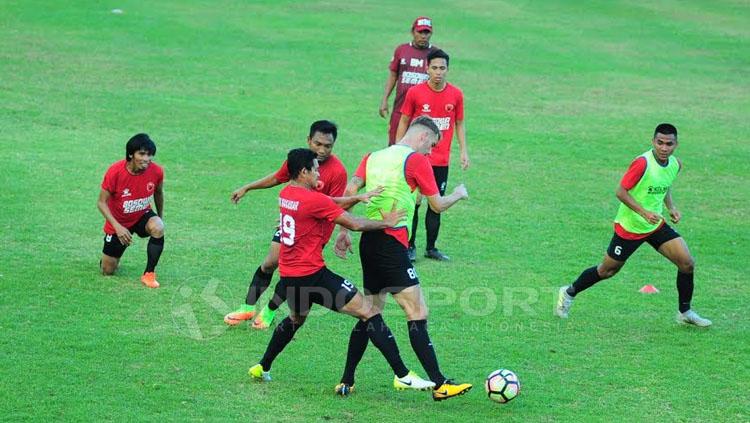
x: 408, y: 67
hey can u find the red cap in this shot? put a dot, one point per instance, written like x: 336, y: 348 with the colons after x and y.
x: 422, y: 23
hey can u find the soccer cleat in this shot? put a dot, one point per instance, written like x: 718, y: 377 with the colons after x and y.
x: 450, y: 389
x: 412, y: 253
x: 564, y: 302
x: 343, y: 389
x: 238, y: 316
x: 149, y: 279
x: 264, y: 319
x: 692, y: 318
x: 435, y: 254
x: 412, y: 381
x: 256, y: 372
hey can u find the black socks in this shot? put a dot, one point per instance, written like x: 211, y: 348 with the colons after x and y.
x: 684, y: 290
x: 258, y: 285
x: 153, y: 252
x: 420, y: 342
x: 586, y: 280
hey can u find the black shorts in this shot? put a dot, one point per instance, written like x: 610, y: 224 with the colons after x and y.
x: 620, y: 249
x: 385, y: 264
x: 441, y: 177
x: 322, y: 287
x: 112, y: 245
x: 276, y: 236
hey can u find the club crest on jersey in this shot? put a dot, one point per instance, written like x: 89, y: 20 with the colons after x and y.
x: 126, y: 192
x: 426, y: 108
x: 449, y: 107
x: 403, y: 61
x: 150, y: 186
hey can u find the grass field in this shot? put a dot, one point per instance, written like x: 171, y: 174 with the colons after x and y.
x: 560, y: 97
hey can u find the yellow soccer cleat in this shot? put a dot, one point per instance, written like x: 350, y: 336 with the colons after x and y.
x: 450, y: 389
x: 256, y: 372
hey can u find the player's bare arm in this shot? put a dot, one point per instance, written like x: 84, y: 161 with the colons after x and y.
x: 268, y: 181
x: 343, y: 242
x: 461, y: 135
x: 439, y: 204
x: 360, y: 224
x: 123, y: 234
x: 350, y: 201
x: 627, y: 199
x: 389, y: 84
x: 159, y: 200
x: 403, y: 125
x: 674, y: 214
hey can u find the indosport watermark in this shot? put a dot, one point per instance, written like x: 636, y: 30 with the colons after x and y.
x: 198, y: 307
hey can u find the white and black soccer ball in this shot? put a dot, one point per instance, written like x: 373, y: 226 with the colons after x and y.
x: 502, y: 386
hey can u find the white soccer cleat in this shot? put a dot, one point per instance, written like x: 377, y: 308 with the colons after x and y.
x: 692, y: 318
x: 564, y: 302
x: 412, y: 381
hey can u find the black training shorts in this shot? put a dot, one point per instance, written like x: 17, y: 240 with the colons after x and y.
x: 385, y: 264
x: 276, y: 236
x: 620, y: 248
x: 112, y: 245
x: 322, y: 287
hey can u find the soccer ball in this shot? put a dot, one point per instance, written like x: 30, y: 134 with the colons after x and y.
x: 502, y: 386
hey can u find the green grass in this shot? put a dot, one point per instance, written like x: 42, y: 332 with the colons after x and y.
x: 560, y: 97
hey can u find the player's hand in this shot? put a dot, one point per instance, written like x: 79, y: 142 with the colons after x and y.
x: 365, y: 198
x: 383, y: 108
x: 675, y: 216
x: 464, y: 160
x: 652, y: 217
x: 461, y: 191
x: 394, y: 216
x: 123, y: 234
x: 343, y: 245
x: 237, y: 195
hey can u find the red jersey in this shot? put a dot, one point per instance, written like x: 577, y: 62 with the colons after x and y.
x: 410, y: 65
x: 444, y: 107
x: 332, y: 180
x: 305, y: 218
x: 418, y: 174
x: 130, y: 195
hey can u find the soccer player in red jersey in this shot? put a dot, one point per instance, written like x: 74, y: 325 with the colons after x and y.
x: 305, y: 216
x: 444, y: 103
x: 332, y: 182
x: 408, y: 68
x: 400, y: 170
x: 125, y: 198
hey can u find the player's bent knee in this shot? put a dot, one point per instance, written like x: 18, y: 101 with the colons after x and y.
x: 687, y: 266
x: 269, y: 266
x: 156, y: 228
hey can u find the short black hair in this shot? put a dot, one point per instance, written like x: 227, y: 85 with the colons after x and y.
x: 298, y: 159
x: 666, y: 129
x: 428, y: 123
x: 438, y: 54
x: 139, y: 142
x: 324, y: 127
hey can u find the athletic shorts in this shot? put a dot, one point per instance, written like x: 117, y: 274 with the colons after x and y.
x: 112, y: 245
x: 621, y: 249
x: 441, y: 177
x: 322, y: 287
x: 276, y: 236
x: 385, y: 264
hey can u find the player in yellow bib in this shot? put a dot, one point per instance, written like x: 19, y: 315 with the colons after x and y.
x: 644, y: 191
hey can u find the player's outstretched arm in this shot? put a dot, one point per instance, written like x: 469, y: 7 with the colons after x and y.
x: 122, y: 232
x: 439, y: 204
x: 267, y: 181
x: 348, y: 202
x: 343, y: 242
x: 361, y: 224
x: 627, y: 199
